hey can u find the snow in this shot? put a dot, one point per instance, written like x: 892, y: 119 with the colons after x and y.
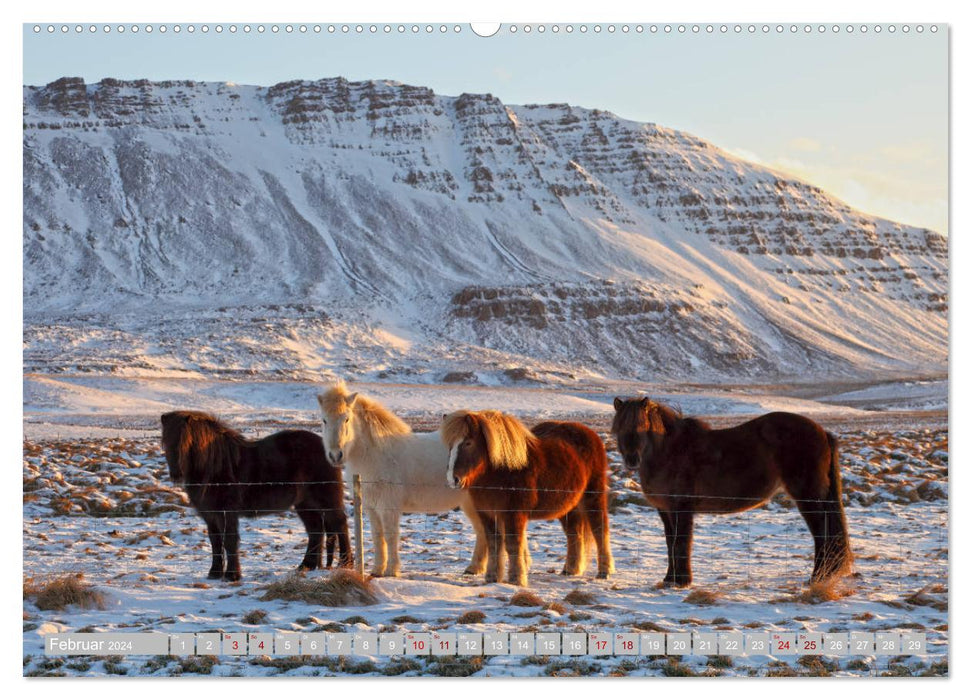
x: 131, y: 536
x: 367, y: 202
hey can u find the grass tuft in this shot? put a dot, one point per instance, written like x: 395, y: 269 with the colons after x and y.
x: 471, y: 617
x: 58, y: 593
x: 343, y: 588
x: 526, y: 599
x: 578, y: 597
x: 255, y: 617
x: 825, y: 591
x: 701, y: 596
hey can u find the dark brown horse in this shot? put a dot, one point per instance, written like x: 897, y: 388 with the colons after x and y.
x: 227, y: 476
x: 559, y: 470
x: 687, y: 468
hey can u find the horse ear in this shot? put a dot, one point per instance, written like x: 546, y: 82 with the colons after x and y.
x: 645, y: 402
x: 618, y: 403
x: 352, y: 398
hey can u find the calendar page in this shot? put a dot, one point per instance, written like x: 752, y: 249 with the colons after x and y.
x: 438, y: 349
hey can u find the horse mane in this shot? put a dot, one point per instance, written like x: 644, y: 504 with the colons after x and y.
x: 653, y: 417
x: 507, y: 440
x: 206, y: 449
x: 377, y: 421
x: 669, y: 417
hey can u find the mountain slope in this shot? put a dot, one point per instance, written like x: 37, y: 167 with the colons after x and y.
x: 550, y: 237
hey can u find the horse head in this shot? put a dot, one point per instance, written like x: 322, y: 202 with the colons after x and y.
x: 478, y: 440
x: 639, y: 427
x: 173, y: 423
x: 337, y: 415
x: 467, y: 450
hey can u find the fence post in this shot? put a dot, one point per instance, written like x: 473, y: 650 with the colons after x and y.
x: 358, y: 527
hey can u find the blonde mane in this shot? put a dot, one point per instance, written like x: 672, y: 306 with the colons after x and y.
x: 507, y: 440
x: 376, y: 421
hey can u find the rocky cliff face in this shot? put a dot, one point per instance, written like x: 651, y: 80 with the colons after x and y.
x: 550, y: 232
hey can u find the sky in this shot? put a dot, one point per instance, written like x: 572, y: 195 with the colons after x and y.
x: 864, y: 116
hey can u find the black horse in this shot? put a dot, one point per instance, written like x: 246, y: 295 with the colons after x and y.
x: 688, y: 468
x: 227, y: 476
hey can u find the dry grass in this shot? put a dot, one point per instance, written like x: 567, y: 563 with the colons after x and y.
x: 648, y: 626
x: 578, y: 597
x: 471, y: 617
x: 701, y: 596
x: 255, y: 617
x: 825, y: 591
x: 924, y: 597
x: 58, y: 593
x: 342, y: 588
x: 526, y: 599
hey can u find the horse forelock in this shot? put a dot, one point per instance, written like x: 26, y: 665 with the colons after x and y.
x: 455, y: 427
x: 631, y: 418
x: 334, y: 401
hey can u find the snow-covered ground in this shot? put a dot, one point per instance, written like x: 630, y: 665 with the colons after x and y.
x: 59, y: 406
x: 96, y: 493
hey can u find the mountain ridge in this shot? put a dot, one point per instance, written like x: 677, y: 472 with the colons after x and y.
x: 375, y: 195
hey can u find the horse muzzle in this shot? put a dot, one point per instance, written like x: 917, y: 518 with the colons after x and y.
x: 336, y: 458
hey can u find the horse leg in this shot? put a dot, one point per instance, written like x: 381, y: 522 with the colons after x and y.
x: 679, y: 550
x: 335, y: 525
x: 669, y: 542
x: 313, y: 521
x: 480, y: 554
x: 597, y: 524
x: 494, y: 566
x: 380, y: 551
x: 392, y: 531
x: 231, y: 541
x: 216, y: 526
x: 572, y: 524
x: 515, y: 537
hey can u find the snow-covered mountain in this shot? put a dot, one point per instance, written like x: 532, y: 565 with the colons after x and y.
x: 378, y: 229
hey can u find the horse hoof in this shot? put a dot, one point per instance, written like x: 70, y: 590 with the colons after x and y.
x: 472, y: 571
x: 215, y: 575
x: 491, y: 578
x: 232, y: 576
x: 674, y: 583
x: 567, y: 572
x: 603, y: 575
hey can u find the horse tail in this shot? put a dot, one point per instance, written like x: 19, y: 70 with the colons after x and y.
x: 838, y: 553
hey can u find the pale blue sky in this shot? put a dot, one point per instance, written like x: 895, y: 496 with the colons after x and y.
x: 863, y: 116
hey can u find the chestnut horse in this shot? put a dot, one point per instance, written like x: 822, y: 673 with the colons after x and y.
x: 557, y: 470
x: 227, y: 476
x: 688, y: 468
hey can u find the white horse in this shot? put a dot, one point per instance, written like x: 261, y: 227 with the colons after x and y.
x: 401, y: 472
